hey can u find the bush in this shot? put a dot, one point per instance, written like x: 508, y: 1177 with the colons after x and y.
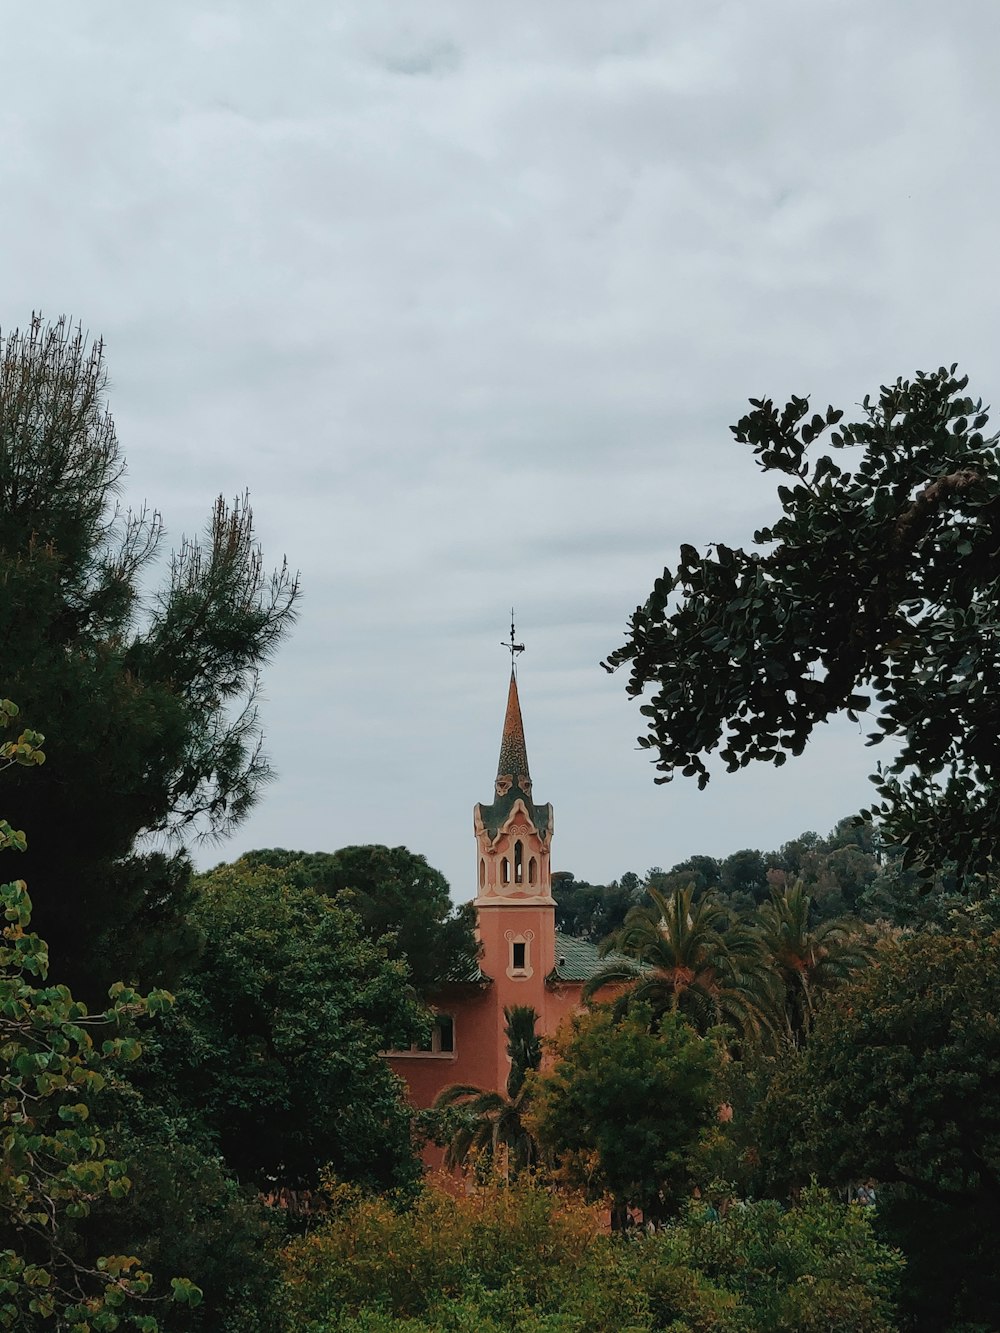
x: 505, y: 1257
x: 523, y: 1260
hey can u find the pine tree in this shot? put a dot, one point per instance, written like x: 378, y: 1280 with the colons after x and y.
x: 148, y: 697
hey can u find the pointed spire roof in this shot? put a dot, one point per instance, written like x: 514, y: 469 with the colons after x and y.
x: 513, y: 751
x: 513, y: 780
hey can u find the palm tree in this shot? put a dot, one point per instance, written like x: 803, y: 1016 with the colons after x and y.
x: 688, y: 956
x: 806, y: 961
x: 492, y: 1125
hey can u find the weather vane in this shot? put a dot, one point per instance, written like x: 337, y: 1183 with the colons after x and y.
x: 512, y: 647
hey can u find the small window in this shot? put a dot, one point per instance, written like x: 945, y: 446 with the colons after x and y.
x: 440, y: 1040
x: 518, y: 862
x: 444, y: 1031
x: 482, y: 873
x: 505, y: 870
x: 518, y: 959
x: 532, y: 871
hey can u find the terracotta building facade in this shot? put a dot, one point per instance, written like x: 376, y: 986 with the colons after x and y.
x: 524, y: 960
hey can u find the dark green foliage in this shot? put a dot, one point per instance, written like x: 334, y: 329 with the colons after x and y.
x: 274, y: 1042
x: 806, y: 961
x: 186, y: 1214
x: 624, y: 1108
x: 593, y: 911
x: 689, y: 957
x: 524, y: 1046
x: 877, y: 585
x: 906, y: 898
x: 150, y: 701
x: 744, y: 874
x: 815, y: 1268
x: 396, y: 895
x: 900, y: 1082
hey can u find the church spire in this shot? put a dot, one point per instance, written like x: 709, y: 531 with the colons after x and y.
x: 512, y: 770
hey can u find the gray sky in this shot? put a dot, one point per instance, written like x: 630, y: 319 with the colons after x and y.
x: 467, y: 295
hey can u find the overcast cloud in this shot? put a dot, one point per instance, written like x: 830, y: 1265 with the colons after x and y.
x: 467, y: 295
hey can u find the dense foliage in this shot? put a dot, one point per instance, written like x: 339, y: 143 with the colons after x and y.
x: 522, y: 1260
x: 687, y: 956
x: 150, y: 699
x: 274, y: 1043
x: 397, y: 897
x: 55, y: 1161
x: 878, y: 583
x: 900, y: 1082
x: 625, y: 1106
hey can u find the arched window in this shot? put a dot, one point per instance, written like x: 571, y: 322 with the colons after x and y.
x: 505, y: 870
x: 482, y: 872
x: 532, y: 871
x: 518, y: 862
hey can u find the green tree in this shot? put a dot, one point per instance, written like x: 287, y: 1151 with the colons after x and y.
x: 275, y: 1041
x: 397, y: 896
x: 744, y: 874
x: 487, y: 1126
x: 808, y: 962
x: 626, y: 1105
x: 151, y: 695
x: 879, y: 582
x: 186, y: 1213
x: 55, y: 1164
x: 520, y: 1259
x: 687, y: 956
x: 898, y: 1083
x: 592, y: 911
x: 511, y: 1257
x: 814, y: 1268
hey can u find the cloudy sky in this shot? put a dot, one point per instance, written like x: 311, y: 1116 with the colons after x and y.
x: 467, y: 296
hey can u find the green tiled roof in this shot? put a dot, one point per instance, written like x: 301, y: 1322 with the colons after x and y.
x: 470, y: 974
x: 495, y: 816
x: 577, y: 960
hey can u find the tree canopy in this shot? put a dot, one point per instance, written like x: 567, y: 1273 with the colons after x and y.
x: 55, y: 1160
x: 899, y: 1082
x: 275, y: 1041
x: 624, y: 1105
x: 689, y: 957
x: 878, y: 586
x: 149, y: 692
x: 397, y: 896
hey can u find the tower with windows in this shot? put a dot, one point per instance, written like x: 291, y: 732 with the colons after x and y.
x: 523, y: 961
x: 514, y: 901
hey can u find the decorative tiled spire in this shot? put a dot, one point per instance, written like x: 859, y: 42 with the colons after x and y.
x: 513, y: 765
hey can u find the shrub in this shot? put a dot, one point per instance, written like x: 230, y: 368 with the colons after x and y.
x: 514, y: 1257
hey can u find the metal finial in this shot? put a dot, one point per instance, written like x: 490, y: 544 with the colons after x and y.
x: 512, y: 647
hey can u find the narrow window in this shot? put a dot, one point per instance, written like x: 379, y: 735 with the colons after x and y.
x: 532, y: 871
x: 518, y: 862
x: 444, y: 1031
x: 482, y: 872
x: 505, y: 870
x: 518, y: 952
